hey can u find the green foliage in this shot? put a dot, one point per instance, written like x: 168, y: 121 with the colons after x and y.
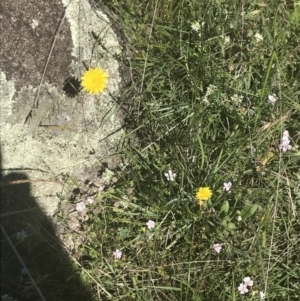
x: 248, y: 211
x: 202, y: 73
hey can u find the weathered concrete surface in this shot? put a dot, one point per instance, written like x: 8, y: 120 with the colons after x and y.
x: 27, y: 31
x: 64, y: 135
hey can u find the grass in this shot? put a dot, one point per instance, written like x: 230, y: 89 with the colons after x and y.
x: 199, y: 108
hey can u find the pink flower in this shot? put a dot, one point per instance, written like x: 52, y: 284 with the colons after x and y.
x: 217, y: 248
x: 80, y: 207
x: 285, y: 142
x: 243, y: 288
x: 150, y: 224
x: 90, y: 200
x: 117, y: 254
x: 285, y: 145
x: 248, y: 281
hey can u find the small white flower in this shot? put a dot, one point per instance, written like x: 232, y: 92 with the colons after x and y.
x: 272, y: 98
x: 170, y: 175
x: 107, y: 175
x: 117, y: 254
x: 80, y: 207
x: 262, y: 295
x: 21, y: 235
x: 285, y: 134
x: 243, y: 288
x: 285, y: 142
x: 101, y: 188
x: 90, y: 200
x: 150, y: 224
x: 258, y: 37
x: 218, y: 248
x: 237, y: 99
x: 239, y: 218
x: 196, y: 26
x: 226, y: 40
x: 211, y: 89
x: 24, y: 271
x: 248, y: 281
x: 227, y: 186
x: 6, y: 297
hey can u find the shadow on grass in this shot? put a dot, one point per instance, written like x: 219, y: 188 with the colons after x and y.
x: 27, y: 233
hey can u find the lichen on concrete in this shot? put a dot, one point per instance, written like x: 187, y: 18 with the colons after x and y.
x: 64, y: 135
x: 95, y: 43
x: 7, y: 93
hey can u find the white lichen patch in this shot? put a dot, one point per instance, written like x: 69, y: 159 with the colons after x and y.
x: 93, y: 38
x: 7, y: 92
x: 61, y: 148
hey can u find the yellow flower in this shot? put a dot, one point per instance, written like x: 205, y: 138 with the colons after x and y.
x: 94, y: 80
x: 203, y: 194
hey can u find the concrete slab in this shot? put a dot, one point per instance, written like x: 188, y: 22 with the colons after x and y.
x: 64, y: 135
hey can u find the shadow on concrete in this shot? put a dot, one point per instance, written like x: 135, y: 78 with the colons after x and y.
x: 72, y: 86
x: 32, y: 235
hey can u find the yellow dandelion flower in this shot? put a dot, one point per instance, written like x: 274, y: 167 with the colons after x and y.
x: 94, y: 80
x: 203, y: 194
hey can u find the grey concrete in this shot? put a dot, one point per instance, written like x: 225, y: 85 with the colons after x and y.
x: 63, y: 136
